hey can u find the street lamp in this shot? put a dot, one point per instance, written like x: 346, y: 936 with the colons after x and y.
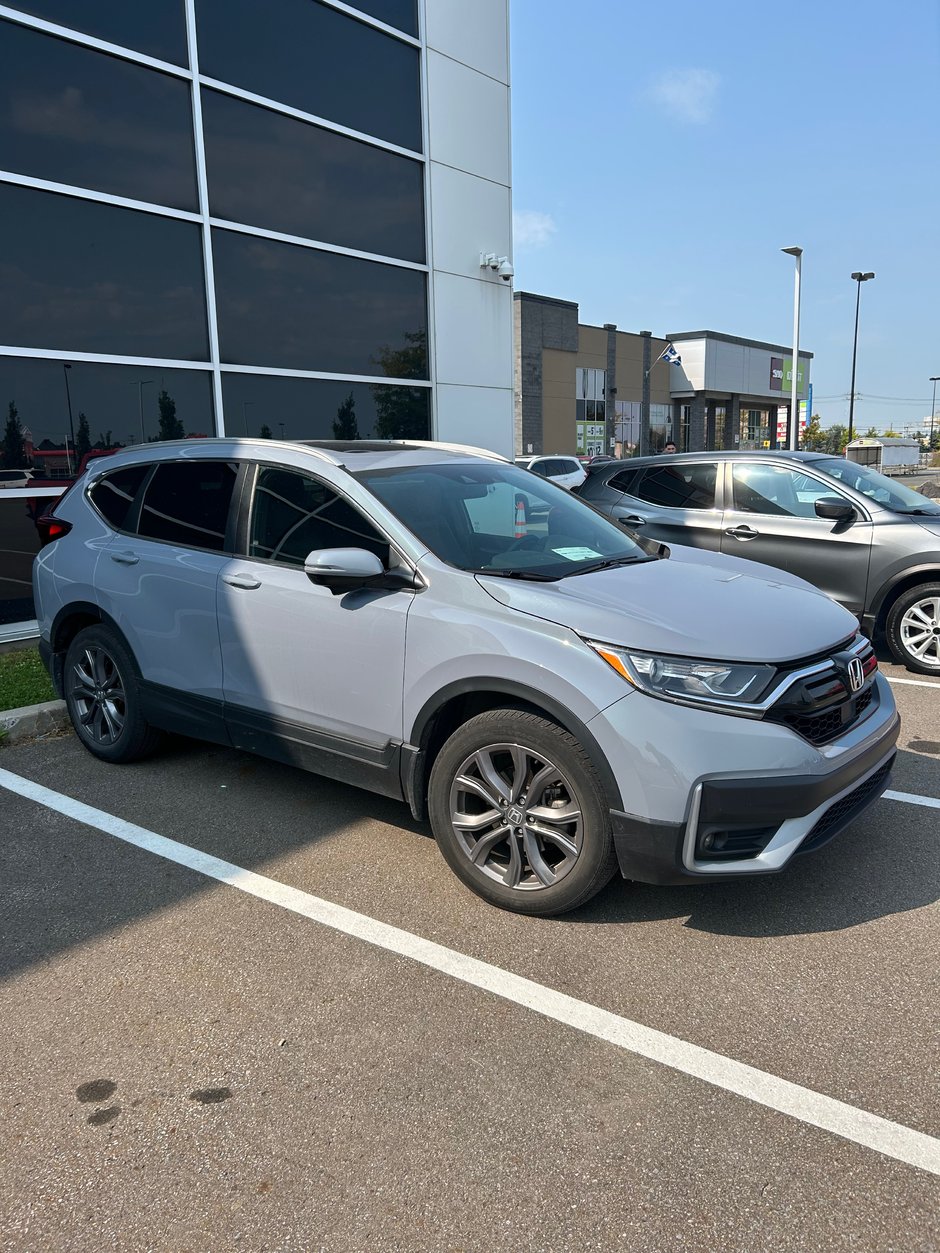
x: 859, y: 278
x: 139, y: 384
x: 794, y: 428
x: 68, y: 396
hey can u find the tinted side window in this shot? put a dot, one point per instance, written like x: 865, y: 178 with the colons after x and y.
x: 679, y: 486
x: 293, y: 514
x: 114, y: 495
x: 622, y: 482
x: 187, y: 503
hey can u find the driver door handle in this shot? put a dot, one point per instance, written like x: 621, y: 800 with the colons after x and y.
x: 247, y: 582
x: 743, y: 532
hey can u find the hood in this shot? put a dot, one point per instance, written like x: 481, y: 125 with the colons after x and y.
x: 691, y: 604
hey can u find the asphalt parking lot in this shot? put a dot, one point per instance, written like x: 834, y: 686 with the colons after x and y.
x: 204, y: 1063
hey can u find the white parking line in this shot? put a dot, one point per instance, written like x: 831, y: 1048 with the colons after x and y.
x: 892, y: 1139
x: 914, y: 682
x: 911, y: 798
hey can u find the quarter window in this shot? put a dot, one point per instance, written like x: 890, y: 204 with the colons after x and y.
x: 679, y: 486
x: 187, y: 502
x: 113, y: 496
x: 622, y: 482
x: 293, y: 515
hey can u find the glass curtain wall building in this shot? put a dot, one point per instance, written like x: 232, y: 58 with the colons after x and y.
x: 216, y: 218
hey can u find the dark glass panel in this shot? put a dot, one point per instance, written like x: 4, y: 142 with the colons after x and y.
x: 111, y: 406
x: 302, y: 309
x: 315, y: 58
x: 187, y: 502
x: 19, y: 544
x: 114, y: 494
x: 89, y: 277
x: 270, y: 170
x: 679, y: 487
x: 402, y: 14
x: 77, y: 116
x: 289, y: 408
x: 292, y: 514
x: 156, y: 27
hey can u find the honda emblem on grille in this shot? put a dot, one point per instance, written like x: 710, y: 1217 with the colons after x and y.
x: 856, y: 675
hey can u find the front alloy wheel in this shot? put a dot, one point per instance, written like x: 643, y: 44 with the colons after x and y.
x: 516, y: 816
x: 913, y: 629
x: 519, y: 813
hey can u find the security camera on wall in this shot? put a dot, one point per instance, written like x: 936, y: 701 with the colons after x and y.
x: 501, y: 265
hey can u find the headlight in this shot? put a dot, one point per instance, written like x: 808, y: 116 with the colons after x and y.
x: 692, y: 682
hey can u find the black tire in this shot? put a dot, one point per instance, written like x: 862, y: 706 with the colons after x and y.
x: 544, y: 852
x: 102, y: 695
x: 913, y: 622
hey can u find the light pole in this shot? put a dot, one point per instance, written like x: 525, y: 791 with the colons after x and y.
x: 794, y: 428
x: 859, y: 278
x: 140, y: 383
x: 935, y: 379
x: 68, y: 396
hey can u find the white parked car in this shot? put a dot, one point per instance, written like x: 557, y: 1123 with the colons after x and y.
x: 15, y: 478
x: 565, y: 471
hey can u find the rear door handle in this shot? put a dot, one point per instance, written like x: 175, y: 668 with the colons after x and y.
x: 633, y: 520
x: 743, y: 532
x: 247, y: 582
x: 125, y: 559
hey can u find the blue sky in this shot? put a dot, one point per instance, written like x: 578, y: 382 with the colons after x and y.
x: 663, y: 156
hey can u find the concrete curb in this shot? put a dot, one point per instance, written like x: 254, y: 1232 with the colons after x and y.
x: 32, y: 722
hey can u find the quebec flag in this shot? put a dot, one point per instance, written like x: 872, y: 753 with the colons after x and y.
x: 669, y: 354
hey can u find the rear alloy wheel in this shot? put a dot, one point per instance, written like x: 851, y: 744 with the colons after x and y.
x: 519, y: 814
x: 913, y: 629
x: 102, y: 697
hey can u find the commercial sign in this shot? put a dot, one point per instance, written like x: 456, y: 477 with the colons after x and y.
x: 781, y: 374
x: 591, y: 437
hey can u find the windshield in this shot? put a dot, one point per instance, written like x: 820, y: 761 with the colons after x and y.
x: 494, y: 518
x: 877, y: 487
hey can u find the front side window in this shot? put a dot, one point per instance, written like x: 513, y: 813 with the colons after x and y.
x: 877, y: 487
x: 496, y: 519
x: 776, y: 490
x: 113, y: 495
x: 293, y: 514
x: 187, y: 502
x: 690, y: 486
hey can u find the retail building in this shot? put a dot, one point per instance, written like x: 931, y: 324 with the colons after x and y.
x: 250, y: 217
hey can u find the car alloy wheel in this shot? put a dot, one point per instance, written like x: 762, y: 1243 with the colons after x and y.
x: 97, y: 690
x: 516, y: 817
x: 919, y: 630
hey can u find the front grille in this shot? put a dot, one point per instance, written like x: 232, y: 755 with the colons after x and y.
x: 843, y: 811
x: 822, y: 707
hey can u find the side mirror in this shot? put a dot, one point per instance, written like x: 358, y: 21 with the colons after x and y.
x: 835, y: 509
x: 342, y: 569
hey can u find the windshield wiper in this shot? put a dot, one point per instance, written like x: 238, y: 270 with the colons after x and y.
x: 608, y: 563
x: 532, y: 575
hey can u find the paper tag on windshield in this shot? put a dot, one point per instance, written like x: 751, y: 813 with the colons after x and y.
x: 576, y: 554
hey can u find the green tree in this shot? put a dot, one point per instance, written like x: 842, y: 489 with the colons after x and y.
x: 14, y: 445
x: 871, y: 433
x: 345, y: 424
x: 891, y: 433
x: 401, y: 412
x: 104, y: 440
x: 266, y: 432
x: 170, y: 425
x: 82, y: 439
x: 813, y: 439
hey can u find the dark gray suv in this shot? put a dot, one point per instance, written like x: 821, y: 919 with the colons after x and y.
x: 868, y: 541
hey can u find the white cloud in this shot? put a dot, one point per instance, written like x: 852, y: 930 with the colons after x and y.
x: 686, y: 95
x: 532, y: 228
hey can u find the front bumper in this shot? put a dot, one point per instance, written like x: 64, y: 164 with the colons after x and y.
x: 749, y: 825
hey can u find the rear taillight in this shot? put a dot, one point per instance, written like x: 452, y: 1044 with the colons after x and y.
x: 51, y: 528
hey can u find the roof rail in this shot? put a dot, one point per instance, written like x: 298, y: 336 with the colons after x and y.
x: 436, y: 443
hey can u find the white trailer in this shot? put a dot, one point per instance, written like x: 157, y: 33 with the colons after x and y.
x: 888, y: 453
